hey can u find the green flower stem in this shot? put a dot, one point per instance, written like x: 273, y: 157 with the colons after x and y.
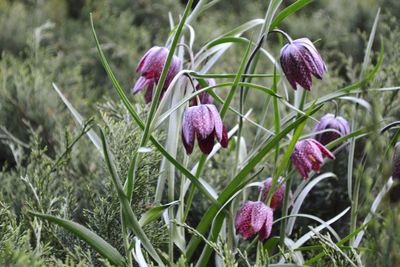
x: 277, y: 121
x: 125, y: 238
x: 192, y: 188
x: 285, y: 211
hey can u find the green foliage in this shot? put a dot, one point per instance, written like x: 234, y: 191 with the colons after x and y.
x: 49, y: 166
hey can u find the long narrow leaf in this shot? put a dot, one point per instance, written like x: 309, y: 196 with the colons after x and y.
x: 92, y: 239
x: 308, y: 235
x: 373, y: 209
x: 288, y: 11
x: 299, y: 200
x: 154, y: 213
x: 91, y: 134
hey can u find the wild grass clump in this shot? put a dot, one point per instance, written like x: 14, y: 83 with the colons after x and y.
x: 255, y: 134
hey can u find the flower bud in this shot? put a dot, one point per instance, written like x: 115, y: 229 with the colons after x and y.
x: 278, y: 196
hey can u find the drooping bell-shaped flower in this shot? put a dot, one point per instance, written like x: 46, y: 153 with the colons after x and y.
x: 278, y: 196
x: 203, y: 122
x: 150, y: 68
x: 299, y: 60
x: 252, y: 218
x: 205, y: 98
x: 339, y: 126
x: 396, y: 162
x: 308, y: 155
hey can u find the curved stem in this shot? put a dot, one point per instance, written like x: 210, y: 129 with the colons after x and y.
x: 390, y: 125
x: 284, y: 34
x: 336, y: 107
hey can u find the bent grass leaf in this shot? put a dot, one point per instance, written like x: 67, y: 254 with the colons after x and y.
x: 300, y: 199
x: 288, y: 11
x: 358, y: 101
x: 373, y: 209
x: 138, y: 254
x: 91, y: 134
x: 309, y: 216
x: 92, y: 239
x: 154, y: 213
x: 339, y: 244
x: 308, y: 235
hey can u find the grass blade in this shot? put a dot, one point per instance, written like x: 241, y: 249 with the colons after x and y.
x: 91, y: 134
x: 92, y: 239
x: 299, y: 200
x: 154, y: 213
x: 373, y: 209
x: 308, y: 235
x: 288, y: 11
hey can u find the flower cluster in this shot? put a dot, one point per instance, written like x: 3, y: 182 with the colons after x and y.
x: 300, y: 61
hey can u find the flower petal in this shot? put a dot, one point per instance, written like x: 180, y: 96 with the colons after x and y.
x: 258, y: 215
x: 202, y: 121
x: 187, y: 131
x: 323, y: 149
x: 317, y: 59
x: 143, y: 59
x: 206, y: 145
x: 243, y: 220
x: 141, y: 83
x: 224, y: 141
x: 149, y: 93
x: 218, y: 125
x: 266, y: 229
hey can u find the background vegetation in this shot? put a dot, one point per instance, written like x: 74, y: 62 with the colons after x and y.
x: 48, y: 164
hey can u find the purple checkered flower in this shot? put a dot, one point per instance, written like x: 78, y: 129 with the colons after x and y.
x: 150, y: 68
x: 339, y: 125
x: 252, y: 218
x: 308, y: 155
x: 205, y: 98
x: 203, y: 122
x: 278, y: 196
x: 299, y: 59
